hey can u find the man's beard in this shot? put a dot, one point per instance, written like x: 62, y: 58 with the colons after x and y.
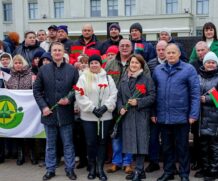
x: 115, y: 37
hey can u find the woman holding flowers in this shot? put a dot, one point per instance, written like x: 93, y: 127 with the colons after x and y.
x: 96, y: 107
x: 135, y: 98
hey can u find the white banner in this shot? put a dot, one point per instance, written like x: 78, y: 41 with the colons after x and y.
x: 20, y: 115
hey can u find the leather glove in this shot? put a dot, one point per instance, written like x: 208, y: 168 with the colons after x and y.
x: 101, y: 110
x: 96, y: 113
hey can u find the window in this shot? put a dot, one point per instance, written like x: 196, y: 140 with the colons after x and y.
x: 202, y: 6
x: 33, y: 10
x: 171, y: 6
x: 199, y: 32
x: 7, y: 9
x: 130, y: 8
x: 59, y: 9
x: 95, y: 8
x: 112, y: 6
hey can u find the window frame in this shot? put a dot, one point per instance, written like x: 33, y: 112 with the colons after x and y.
x: 34, y: 10
x: 200, y: 7
x: 131, y: 6
x: 171, y: 6
x: 111, y: 9
x: 7, y: 12
x: 59, y: 10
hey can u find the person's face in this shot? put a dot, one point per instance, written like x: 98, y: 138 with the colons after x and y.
x: 210, y: 65
x: 30, y: 39
x: 209, y: 33
x: 61, y: 34
x: 160, y: 49
x: 87, y: 32
x: 201, y: 51
x: 18, y: 65
x: 52, y: 33
x: 114, y: 32
x: 111, y: 56
x: 95, y: 66
x: 125, y: 47
x: 164, y: 36
x: 134, y: 65
x: 57, y: 52
x: 45, y: 61
x: 135, y: 34
x: 36, y: 61
x: 172, y: 54
x: 5, y: 62
x: 41, y: 36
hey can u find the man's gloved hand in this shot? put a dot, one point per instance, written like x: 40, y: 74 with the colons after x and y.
x: 96, y: 113
x: 101, y: 110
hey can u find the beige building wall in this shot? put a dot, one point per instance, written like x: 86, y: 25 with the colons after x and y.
x: 150, y: 13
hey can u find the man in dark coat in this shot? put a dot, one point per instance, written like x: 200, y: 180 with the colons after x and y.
x: 53, y: 84
x: 177, y: 106
x: 115, y: 37
x: 139, y: 44
x: 29, y: 47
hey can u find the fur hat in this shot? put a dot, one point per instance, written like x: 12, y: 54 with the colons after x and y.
x: 114, y: 25
x: 210, y: 56
x: 137, y: 26
x: 96, y: 58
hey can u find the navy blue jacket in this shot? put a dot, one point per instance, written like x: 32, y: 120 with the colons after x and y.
x: 178, y: 93
x: 149, y: 51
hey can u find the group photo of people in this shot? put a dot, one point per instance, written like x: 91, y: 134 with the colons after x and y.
x: 122, y: 104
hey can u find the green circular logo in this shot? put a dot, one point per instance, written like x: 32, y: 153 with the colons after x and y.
x: 10, y: 114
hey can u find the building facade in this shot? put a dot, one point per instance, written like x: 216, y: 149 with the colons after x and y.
x: 182, y: 17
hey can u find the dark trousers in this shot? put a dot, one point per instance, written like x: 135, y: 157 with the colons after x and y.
x: 96, y: 144
x: 175, y: 139
x: 209, y: 153
x: 195, y: 156
x: 139, y: 162
x: 154, y: 143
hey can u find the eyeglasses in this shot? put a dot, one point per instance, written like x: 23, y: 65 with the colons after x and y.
x: 125, y: 46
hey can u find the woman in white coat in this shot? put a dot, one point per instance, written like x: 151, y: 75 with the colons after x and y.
x: 96, y: 107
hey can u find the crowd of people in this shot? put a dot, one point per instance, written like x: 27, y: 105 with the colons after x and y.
x: 130, y: 99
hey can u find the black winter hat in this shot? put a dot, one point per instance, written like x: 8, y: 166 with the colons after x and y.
x: 137, y: 26
x: 114, y: 25
x: 96, y: 58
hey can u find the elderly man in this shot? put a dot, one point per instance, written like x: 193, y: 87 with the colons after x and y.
x: 53, y: 84
x: 29, y: 47
x: 52, y: 37
x: 115, y: 37
x: 86, y: 44
x: 177, y: 106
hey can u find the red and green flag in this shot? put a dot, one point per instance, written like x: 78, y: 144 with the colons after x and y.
x: 77, y: 49
x: 214, y: 96
x: 104, y: 60
x: 139, y: 47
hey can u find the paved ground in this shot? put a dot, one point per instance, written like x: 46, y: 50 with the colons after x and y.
x: 9, y: 171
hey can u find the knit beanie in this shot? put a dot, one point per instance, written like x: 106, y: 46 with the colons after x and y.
x: 96, y: 58
x: 137, y: 26
x: 114, y: 25
x: 38, y: 54
x: 112, y: 49
x: 63, y: 27
x: 166, y: 30
x: 210, y: 56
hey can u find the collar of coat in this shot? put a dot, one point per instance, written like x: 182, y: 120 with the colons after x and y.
x: 175, y: 68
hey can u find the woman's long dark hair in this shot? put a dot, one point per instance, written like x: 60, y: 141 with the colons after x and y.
x: 207, y: 26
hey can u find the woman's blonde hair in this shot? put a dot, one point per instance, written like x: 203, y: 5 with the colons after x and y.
x: 21, y: 58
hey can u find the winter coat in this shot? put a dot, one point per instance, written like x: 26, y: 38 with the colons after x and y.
x: 197, y: 64
x: 135, y: 123
x: 209, y: 113
x: 20, y: 80
x: 92, y: 47
x: 52, y: 84
x: 213, y: 48
x: 106, y: 44
x: 148, y: 52
x: 152, y: 64
x: 28, y: 52
x: 11, y: 45
x: 93, y: 94
x: 178, y: 93
x: 67, y: 44
x: 117, y: 70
